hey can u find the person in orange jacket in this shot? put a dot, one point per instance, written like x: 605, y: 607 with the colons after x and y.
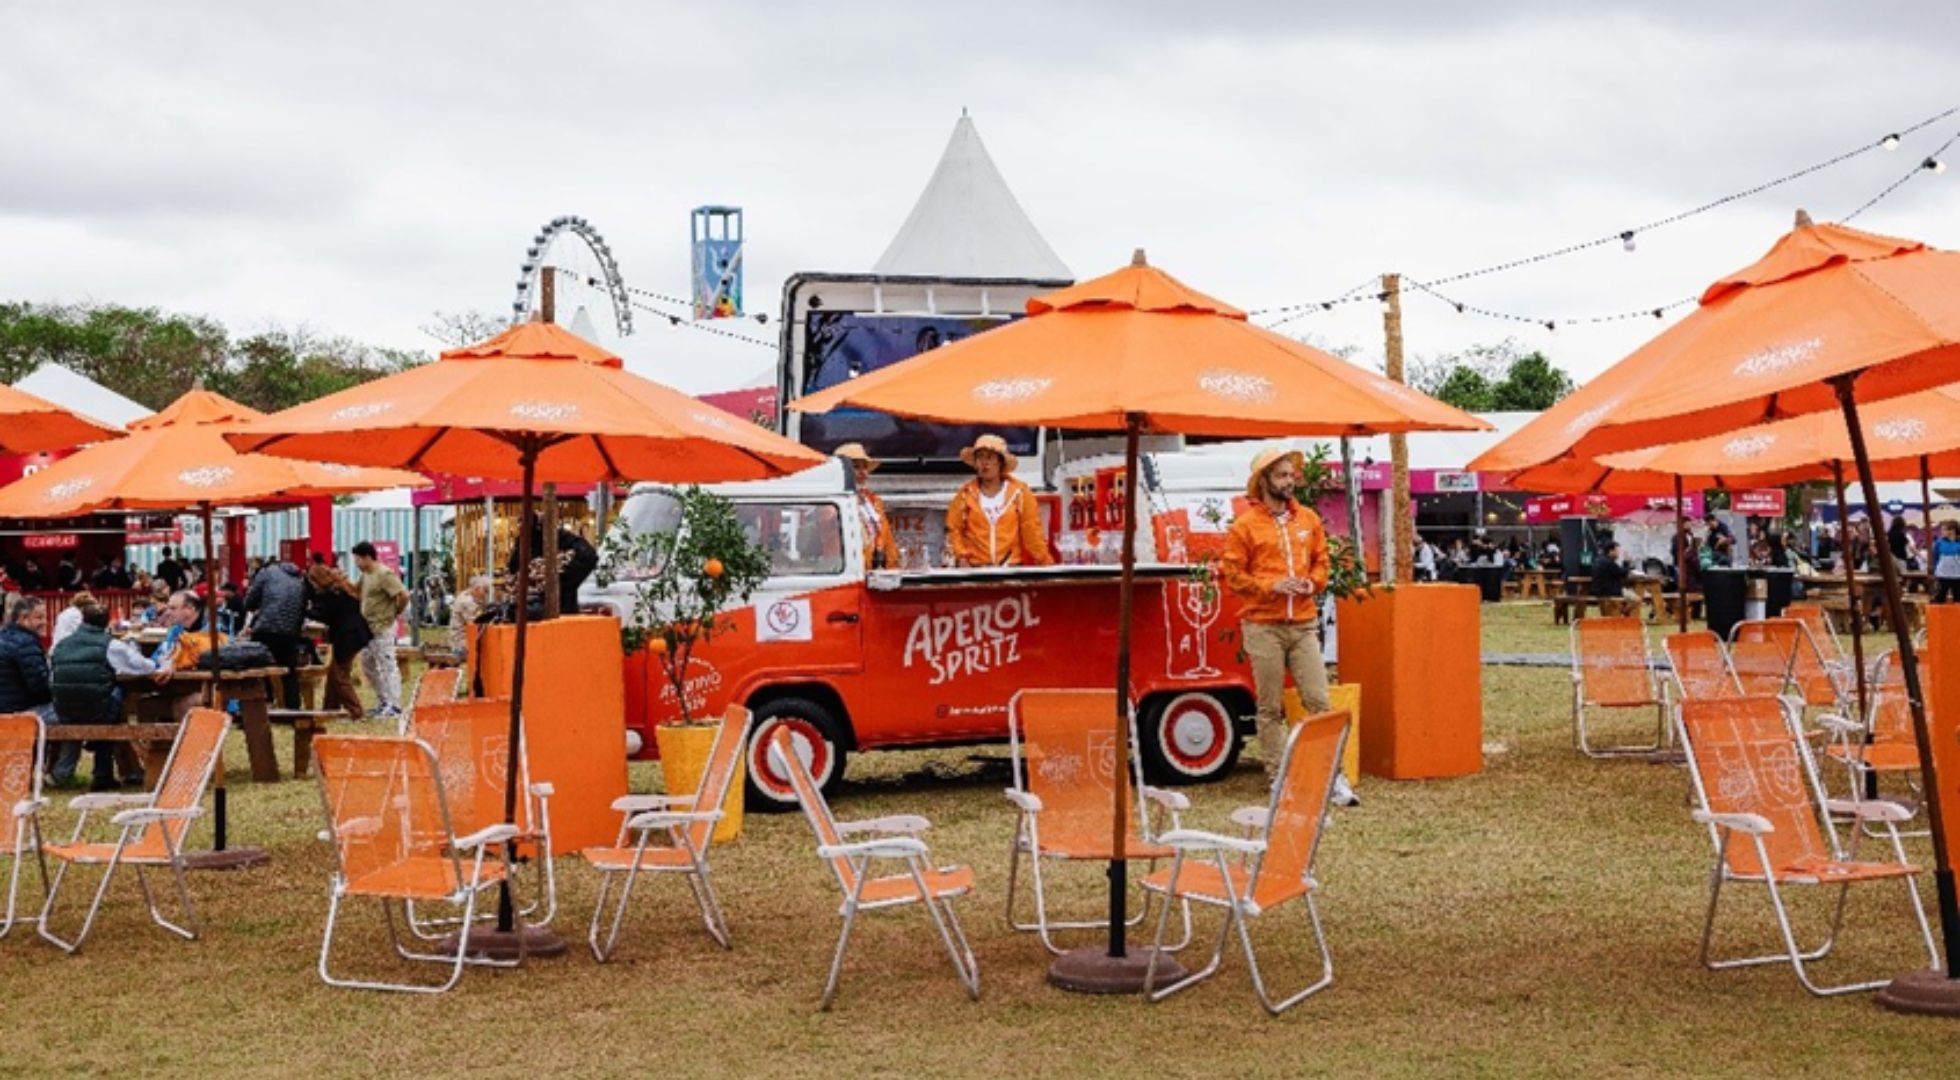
x: 994, y: 519
x: 880, y: 547
x: 1276, y: 563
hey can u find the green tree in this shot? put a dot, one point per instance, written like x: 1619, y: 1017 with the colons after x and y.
x: 1467, y: 389
x: 1485, y: 378
x: 1531, y: 384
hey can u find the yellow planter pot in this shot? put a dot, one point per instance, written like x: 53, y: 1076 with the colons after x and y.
x: 1340, y: 696
x: 684, y: 757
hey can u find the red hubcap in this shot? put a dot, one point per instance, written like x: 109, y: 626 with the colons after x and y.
x: 1194, y: 734
x: 810, y: 746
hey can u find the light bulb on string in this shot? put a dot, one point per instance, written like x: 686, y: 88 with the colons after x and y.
x: 1890, y: 142
x: 1933, y: 165
x: 1383, y: 297
x: 1626, y: 240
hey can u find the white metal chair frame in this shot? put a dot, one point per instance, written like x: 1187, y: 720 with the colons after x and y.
x: 1852, y: 740
x: 26, y: 818
x: 1239, y: 908
x: 474, y: 846
x: 1833, y: 716
x: 1026, y: 840
x: 895, y: 837
x: 1656, y: 691
x: 1724, y: 827
x: 134, y: 821
x: 687, y: 828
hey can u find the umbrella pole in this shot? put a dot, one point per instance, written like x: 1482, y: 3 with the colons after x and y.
x: 1857, y: 603
x: 1895, y: 610
x: 528, y: 458
x: 1681, y: 554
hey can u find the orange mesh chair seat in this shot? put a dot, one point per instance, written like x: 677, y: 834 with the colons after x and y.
x: 686, y: 822
x: 152, y: 827
x: 1759, y: 797
x: 893, y: 839
x: 394, y: 841
x: 1613, y: 669
x: 436, y: 686
x: 471, y: 740
x: 1699, y: 667
x: 1064, y: 758
x: 1277, y: 867
x: 22, y: 750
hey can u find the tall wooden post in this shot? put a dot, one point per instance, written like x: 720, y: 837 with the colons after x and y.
x: 1402, y: 541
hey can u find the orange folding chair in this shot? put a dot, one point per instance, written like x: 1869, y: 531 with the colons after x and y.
x: 394, y: 840
x: 1612, y: 668
x: 1759, y: 797
x: 1758, y: 646
x: 153, y: 825
x: 1824, y: 635
x: 688, y: 823
x: 894, y: 838
x: 1064, y: 758
x: 1884, y: 744
x: 437, y: 686
x: 22, y: 747
x: 471, y: 740
x: 1699, y: 667
x: 1276, y: 862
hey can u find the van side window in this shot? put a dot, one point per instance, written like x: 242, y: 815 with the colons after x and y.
x: 802, y: 538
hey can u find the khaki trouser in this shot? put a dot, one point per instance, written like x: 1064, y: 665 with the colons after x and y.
x: 378, y: 664
x: 1276, y: 649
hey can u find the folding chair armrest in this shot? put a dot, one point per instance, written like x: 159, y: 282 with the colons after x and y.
x: 1252, y: 817
x: 543, y: 789
x: 634, y: 804
x: 1840, y: 725
x: 143, y: 815
x: 106, y: 799
x: 904, y: 824
x: 1174, y: 801
x: 29, y: 807
x: 1869, y: 809
x: 1029, y: 803
x: 885, y: 847
x: 1754, y: 824
x: 667, y: 819
x: 494, y: 834
x: 1193, y: 841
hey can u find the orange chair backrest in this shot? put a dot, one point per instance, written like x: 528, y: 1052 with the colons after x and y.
x: 723, y: 757
x: 193, y: 755
x: 1891, y: 709
x: 1807, y: 670
x: 1306, y: 780
x: 1063, y: 745
x: 437, y: 685
x: 1701, y: 668
x: 471, y: 742
x: 782, y: 750
x: 20, y: 760
x: 385, y: 808
x: 1763, y: 654
x: 1611, y: 656
x: 1747, y: 760
x: 1822, y: 634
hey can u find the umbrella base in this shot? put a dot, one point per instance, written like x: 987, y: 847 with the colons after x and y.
x: 1923, y: 993
x: 231, y: 858
x: 540, y: 943
x: 1094, y: 971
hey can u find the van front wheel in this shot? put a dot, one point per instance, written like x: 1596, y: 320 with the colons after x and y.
x: 818, y: 738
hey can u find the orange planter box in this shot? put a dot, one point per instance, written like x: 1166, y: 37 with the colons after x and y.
x: 574, y: 719
x: 1937, y: 667
x: 1416, y: 651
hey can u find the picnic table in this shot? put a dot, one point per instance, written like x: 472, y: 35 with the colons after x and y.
x: 1535, y: 583
x: 1649, y: 590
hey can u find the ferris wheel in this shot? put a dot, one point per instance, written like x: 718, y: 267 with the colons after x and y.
x: 570, y: 245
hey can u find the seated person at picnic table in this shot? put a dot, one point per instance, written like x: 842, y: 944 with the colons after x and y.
x: 1609, y: 577
x: 82, y: 677
x: 188, y: 638
x: 24, y: 675
x: 1717, y: 552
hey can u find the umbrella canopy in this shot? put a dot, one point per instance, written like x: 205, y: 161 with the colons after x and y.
x: 589, y: 418
x: 30, y: 425
x: 178, y: 459
x: 1826, y: 301
x: 1139, y: 343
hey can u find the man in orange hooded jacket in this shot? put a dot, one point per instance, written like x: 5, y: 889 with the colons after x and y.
x: 1276, y: 563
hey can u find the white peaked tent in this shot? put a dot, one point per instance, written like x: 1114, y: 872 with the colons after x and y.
x: 967, y: 224
x: 81, y: 394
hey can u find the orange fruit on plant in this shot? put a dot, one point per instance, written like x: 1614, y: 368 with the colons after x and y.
x: 657, y: 646
x: 712, y: 568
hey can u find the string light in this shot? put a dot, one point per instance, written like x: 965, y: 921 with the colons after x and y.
x: 1890, y: 142
x: 1463, y: 308
x: 1626, y: 239
x: 1934, y: 164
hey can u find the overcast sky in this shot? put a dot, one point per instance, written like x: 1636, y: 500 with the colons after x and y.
x: 356, y: 167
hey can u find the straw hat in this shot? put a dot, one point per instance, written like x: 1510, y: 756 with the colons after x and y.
x: 995, y: 443
x: 854, y: 451
x: 1266, y: 459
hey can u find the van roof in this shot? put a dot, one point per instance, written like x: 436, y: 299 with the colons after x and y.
x: 822, y: 480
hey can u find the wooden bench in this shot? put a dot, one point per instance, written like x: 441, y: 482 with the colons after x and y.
x: 1564, y: 606
x: 306, y: 723
x: 151, y: 741
x: 1670, y: 603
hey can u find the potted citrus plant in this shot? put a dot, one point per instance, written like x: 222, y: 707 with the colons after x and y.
x: 688, y: 579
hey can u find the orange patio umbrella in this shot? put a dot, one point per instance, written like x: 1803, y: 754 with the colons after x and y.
x: 1138, y: 351
x: 534, y: 403
x: 1831, y: 318
x: 30, y: 425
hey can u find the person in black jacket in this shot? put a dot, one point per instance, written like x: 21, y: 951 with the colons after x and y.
x: 24, y: 671
x: 1609, y: 577
x: 277, y: 602
x: 85, y: 691
x: 577, y: 559
x: 335, y: 603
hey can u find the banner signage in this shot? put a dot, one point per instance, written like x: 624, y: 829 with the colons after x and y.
x: 1763, y: 502
x: 1550, y: 508
x: 51, y: 541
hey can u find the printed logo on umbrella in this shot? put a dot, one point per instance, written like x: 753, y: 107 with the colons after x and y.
x: 1236, y: 385
x: 362, y: 412
x: 1001, y: 391
x: 544, y: 410
x: 1779, y: 358
x: 69, y: 488
x: 1905, y: 429
x: 710, y: 420
x: 206, y: 477
x: 1585, y: 421
x: 336, y: 468
x: 1747, y: 446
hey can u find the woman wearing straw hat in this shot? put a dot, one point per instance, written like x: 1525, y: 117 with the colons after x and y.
x: 880, y: 547
x: 994, y: 520
x: 1276, y: 562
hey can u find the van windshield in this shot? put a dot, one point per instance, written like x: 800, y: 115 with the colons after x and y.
x: 801, y: 538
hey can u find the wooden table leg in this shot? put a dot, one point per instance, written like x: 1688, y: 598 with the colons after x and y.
x: 258, y: 731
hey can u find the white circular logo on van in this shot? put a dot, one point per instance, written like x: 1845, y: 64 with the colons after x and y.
x: 783, y: 617
x: 1001, y: 391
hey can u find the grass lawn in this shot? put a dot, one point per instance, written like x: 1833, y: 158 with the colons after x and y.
x: 1540, y: 918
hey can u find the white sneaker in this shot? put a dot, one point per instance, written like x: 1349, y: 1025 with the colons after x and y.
x: 1344, y: 792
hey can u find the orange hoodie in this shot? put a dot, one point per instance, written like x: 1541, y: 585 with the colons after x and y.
x: 877, y: 531
x: 1261, y: 549
x: 1015, y: 539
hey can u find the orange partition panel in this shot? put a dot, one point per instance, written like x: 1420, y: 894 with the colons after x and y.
x: 1939, y: 670
x: 1416, y: 652
x: 574, y: 717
